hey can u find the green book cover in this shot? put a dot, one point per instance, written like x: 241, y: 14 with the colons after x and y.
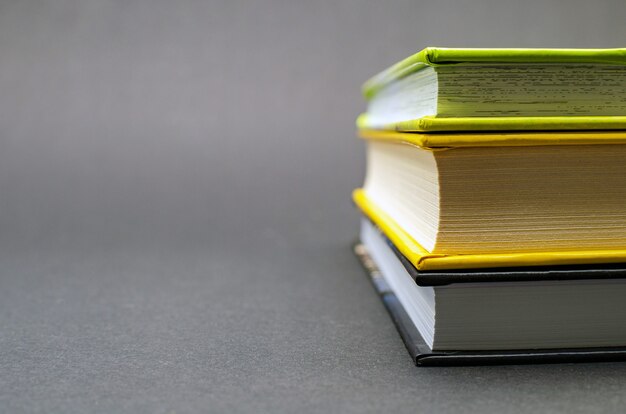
x: 581, y: 116
x: 438, y: 56
x: 538, y: 123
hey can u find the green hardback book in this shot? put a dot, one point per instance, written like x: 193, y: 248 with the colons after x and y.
x: 441, y: 89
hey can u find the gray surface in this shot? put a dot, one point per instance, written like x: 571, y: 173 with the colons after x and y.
x: 175, y: 217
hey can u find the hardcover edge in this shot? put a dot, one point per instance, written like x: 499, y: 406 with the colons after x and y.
x: 444, y: 141
x: 511, y: 274
x: 430, y: 124
x: 423, y: 356
x: 413, y: 341
x: 437, y: 56
x: 425, y: 261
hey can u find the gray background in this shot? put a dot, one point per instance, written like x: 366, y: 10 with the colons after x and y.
x: 175, y: 212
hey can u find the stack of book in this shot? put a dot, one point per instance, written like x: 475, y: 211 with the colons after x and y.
x: 494, y: 204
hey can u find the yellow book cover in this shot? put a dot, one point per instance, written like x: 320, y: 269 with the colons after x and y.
x: 424, y: 261
x: 496, y: 139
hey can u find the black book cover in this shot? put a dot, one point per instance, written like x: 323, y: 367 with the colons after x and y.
x: 421, y: 353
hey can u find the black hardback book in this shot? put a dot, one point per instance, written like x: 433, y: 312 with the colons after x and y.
x: 421, y: 353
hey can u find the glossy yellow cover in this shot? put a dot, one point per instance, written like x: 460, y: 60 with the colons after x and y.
x: 423, y: 260
x: 496, y: 139
x: 522, y: 123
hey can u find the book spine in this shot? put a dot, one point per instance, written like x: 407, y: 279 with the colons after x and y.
x: 413, y: 341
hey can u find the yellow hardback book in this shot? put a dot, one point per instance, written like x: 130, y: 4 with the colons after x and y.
x: 459, y: 201
x: 446, y: 89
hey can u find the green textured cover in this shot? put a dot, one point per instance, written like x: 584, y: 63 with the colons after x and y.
x: 526, y: 123
x: 437, y: 56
